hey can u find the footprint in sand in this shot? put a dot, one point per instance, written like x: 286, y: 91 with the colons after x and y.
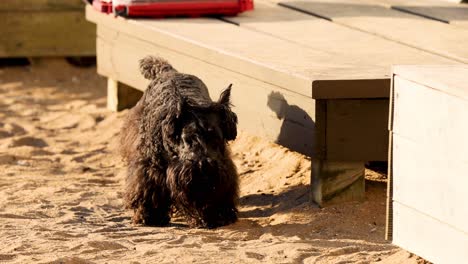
x: 7, y: 159
x: 106, y: 245
x: 72, y: 260
x: 5, y: 257
x: 63, y: 120
x: 9, y: 130
x: 28, y: 141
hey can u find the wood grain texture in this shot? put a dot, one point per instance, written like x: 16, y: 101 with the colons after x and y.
x: 121, y: 96
x: 41, y: 5
x: 429, y: 163
x: 285, y: 64
x: 357, y: 130
x: 266, y: 110
x: 448, y: 11
x: 451, y: 80
x: 415, y: 31
x: 430, y: 152
x: 46, y: 33
x: 337, y: 182
x: 427, y: 237
x: 368, y: 53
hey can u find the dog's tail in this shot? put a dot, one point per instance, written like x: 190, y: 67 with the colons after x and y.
x: 151, y: 67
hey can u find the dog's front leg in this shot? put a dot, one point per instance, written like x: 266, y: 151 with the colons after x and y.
x: 148, y: 195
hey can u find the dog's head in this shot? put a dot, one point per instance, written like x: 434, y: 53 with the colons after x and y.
x: 198, y: 139
x: 197, y: 131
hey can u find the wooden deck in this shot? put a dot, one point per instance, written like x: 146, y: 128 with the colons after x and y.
x: 41, y: 28
x: 317, y: 86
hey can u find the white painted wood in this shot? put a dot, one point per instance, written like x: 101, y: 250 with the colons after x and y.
x: 445, y: 78
x: 429, y: 163
x: 118, y: 56
x: 428, y: 237
x: 430, y: 152
x: 112, y: 94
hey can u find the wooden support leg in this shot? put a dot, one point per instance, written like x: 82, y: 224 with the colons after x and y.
x: 342, y: 141
x: 121, y: 96
x: 335, y: 182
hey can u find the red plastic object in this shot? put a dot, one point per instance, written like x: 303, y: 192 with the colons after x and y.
x: 165, y: 8
x: 104, y: 7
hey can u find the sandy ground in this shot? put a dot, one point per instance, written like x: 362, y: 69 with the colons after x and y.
x: 61, y: 186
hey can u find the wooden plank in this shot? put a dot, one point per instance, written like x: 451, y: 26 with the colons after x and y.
x: 429, y: 151
x: 415, y: 31
x: 389, y: 205
x: 46, y: 33
x: 369, y: 52
x: 449, y: 13
x: 357, y: 130
x: 448, y: 79
x: 121, y: 96
x: 337, y: 182
x: 333, y: 181
x: 351, y: 89
x: 283, y: 64
x: 440, y: 182
x: 41, y: 5
x: 268, y: 111
x: 429, y: 157
x: 445, y: 11
x: 427, y: 237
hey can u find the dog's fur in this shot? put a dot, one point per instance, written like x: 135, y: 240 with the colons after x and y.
x: 174, y: 142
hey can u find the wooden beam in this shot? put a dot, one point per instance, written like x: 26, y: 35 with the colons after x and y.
x: 121, y: 96
x: 357, y: 130
x: 285, y: 64
x: 333, y: 181
x: 266, y: 110
x: 337, y: 182
x: 41, y: 5
x: 46, y: 33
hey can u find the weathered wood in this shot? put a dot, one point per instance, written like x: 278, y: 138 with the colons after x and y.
x: 42, y: 5
x: 449, y: 11
x: 427, y: 237
x: 431, y: 135
x: 389, y: 205
x: 351, y: 89
x: 415, y: 31
x: 337, y: 182
x: 121, y: 96
x: 284, y: 63
x: 266, y: 110
x: 429, y: 154
x: 357, y: 130
x: 447, y: 79
x: 371, y: 53
x: 333, y: 181
x: 46, y: 33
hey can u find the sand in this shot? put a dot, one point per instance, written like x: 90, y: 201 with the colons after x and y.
x: 61, y: 186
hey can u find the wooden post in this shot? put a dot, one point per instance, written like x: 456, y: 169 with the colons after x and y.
x: 333, y: 181
x: 121, y: 96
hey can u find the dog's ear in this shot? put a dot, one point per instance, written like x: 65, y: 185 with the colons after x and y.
x: 225, y: 97
x: 228, y: 118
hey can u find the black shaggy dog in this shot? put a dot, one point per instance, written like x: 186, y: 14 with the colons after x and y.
x: 174, y: 142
